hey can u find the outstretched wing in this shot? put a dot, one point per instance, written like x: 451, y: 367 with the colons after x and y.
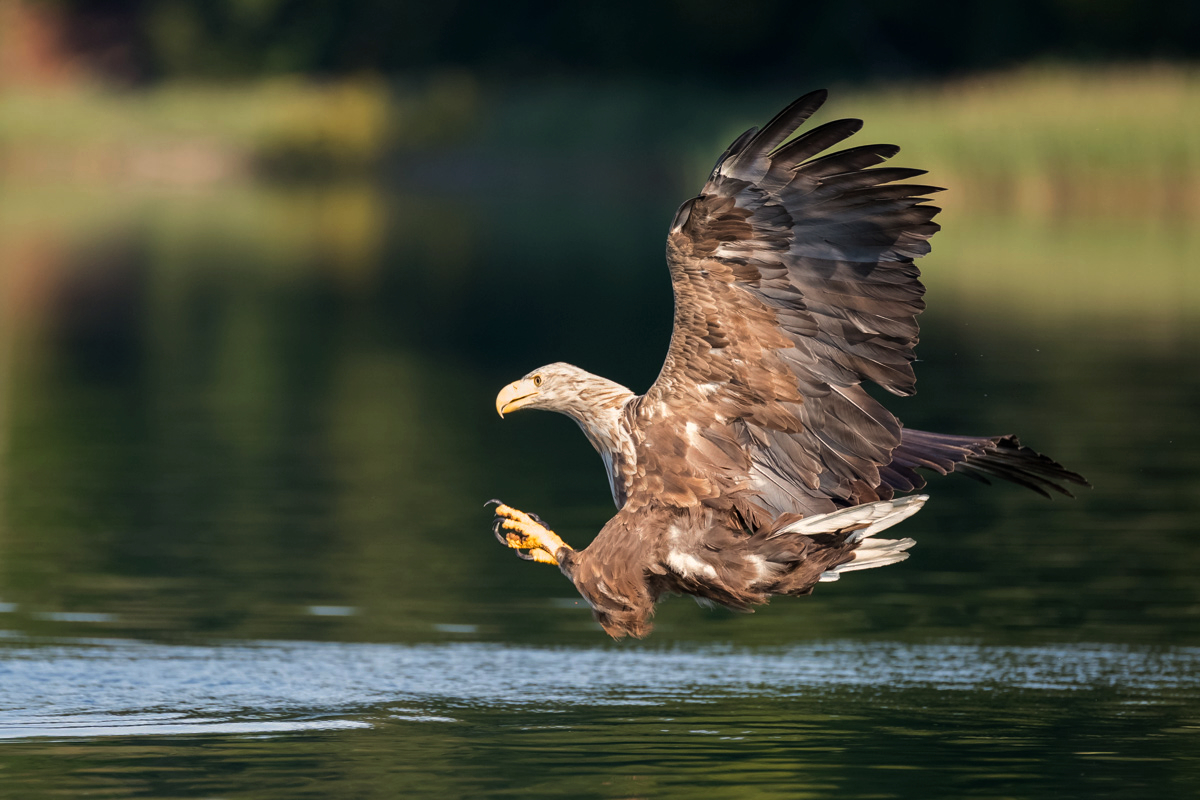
x: 794, y: 283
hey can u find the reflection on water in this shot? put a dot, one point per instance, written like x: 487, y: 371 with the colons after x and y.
x: 225, y: 412
x: 245, y: 439
x: 92, y: 725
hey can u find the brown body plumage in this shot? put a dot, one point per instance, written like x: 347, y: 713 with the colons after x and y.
x: 794, y: 282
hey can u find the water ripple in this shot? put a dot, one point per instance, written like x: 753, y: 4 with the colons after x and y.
x: 88, y: 689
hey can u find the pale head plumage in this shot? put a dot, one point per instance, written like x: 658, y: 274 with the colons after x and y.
x: 564, y: 388
x: 594, y: 402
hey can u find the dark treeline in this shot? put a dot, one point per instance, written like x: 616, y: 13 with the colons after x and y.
x: 709, y: 40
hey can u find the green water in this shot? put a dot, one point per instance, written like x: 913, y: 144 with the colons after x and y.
x: 246, y: 437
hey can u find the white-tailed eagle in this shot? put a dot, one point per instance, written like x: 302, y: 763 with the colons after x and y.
x: 757, y: 464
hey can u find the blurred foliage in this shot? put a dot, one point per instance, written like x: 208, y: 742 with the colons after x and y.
x: 769, y: 40
x: 1121, y: 139
x: 1124, y: 140
x: 198, y: 133
x: 1052, y: 269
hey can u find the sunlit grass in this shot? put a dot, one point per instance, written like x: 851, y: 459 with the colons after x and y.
x: 1141, y: 120
x: 1120, y: 135
x: 198, y: 134
x: 1135, y: 278
x: 1112, y: 137
x: 348, y: 113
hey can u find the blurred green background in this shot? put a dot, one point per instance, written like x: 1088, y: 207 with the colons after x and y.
x: 265, y: 263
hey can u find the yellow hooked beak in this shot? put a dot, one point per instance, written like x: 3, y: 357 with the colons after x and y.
x: 516, y: 395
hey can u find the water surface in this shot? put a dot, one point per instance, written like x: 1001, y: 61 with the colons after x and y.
x: 245, y: 439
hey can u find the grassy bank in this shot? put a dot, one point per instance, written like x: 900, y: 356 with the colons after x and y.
x: 1118, y: 136
x: 1109, y: 138
x: 199, y: 134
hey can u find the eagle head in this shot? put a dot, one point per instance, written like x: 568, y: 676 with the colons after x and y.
x: 564, y: 388
x: 554, y: 387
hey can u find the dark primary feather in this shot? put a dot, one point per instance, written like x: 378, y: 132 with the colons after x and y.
x: 781, y: 126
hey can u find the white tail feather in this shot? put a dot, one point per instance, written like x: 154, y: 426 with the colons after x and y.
x: 875, y: 517
x: 878, y: 516
x: 886, y: 551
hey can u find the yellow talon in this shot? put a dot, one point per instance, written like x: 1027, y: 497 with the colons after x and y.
x: 523, y: 532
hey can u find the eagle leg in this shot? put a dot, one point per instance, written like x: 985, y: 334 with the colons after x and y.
x: 522, y: 531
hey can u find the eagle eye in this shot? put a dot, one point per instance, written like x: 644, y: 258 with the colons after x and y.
x: 537, y: 380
